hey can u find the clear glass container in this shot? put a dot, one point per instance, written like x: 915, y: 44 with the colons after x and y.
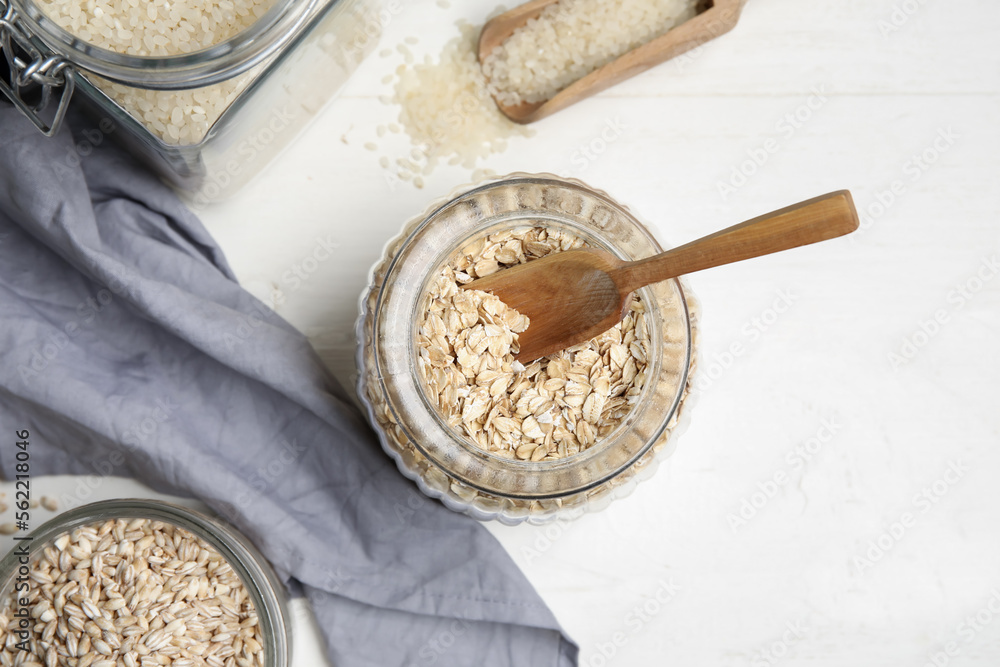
x: 263, y: 586
x: 277, y: 74
x: 445, y: 464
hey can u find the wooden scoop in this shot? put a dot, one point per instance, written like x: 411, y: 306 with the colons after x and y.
x: 719, y: 17
x: 570, y: 297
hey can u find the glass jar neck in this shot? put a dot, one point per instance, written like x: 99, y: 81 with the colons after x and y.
x: 205, y: 67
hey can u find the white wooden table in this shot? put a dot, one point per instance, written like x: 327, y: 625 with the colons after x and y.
x: 835, y: 499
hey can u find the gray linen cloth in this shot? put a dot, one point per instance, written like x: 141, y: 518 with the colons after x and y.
x: 129, y: 349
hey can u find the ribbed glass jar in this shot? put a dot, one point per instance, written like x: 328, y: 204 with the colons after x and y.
x: 446, y: 464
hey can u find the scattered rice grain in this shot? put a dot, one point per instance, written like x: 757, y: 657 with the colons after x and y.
x: 572, y: 38
x: 446, y: 108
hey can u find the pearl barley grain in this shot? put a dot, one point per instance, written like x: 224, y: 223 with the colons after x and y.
x: 133, y: 592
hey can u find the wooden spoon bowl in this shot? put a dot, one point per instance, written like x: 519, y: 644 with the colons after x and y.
x: 570, y: 297
x: 718, y: 18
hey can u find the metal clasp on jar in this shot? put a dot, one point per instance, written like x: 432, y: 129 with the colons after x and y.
x: 34, y: 77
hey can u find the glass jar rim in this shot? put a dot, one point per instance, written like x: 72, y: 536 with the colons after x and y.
x: 253, y: 569
x: 451, y: 454
x: 205, y: 67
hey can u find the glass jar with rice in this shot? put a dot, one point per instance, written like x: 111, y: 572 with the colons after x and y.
x: 204, y: 92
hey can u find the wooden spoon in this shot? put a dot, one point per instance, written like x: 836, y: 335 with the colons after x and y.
x: 570, y: 297
x: 720, y: 17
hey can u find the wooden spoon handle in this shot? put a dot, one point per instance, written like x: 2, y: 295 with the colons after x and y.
x: 811, y: 221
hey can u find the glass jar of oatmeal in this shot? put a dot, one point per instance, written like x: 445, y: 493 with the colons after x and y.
x: 206, y: 119
x: 425, y: 428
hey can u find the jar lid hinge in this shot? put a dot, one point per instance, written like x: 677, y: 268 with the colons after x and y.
x: 32, y: 76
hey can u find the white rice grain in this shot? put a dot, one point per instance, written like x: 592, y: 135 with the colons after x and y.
x: 163, y: 28
x: 572, y: 38
x: 447, y: 110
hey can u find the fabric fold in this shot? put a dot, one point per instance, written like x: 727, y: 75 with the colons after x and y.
x: 129, y: 349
